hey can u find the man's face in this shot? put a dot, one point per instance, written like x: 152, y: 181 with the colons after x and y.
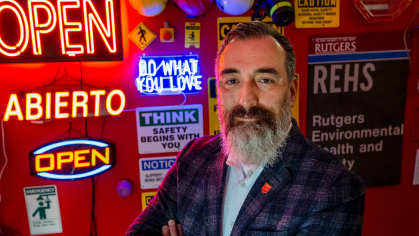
x: 254, y: 98
x: 252, y: 73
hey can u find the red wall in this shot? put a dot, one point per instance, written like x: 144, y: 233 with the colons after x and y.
x: 392, y: 210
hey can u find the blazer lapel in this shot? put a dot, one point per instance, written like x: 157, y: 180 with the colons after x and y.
x: 277, y: 177
x: 214, y: 190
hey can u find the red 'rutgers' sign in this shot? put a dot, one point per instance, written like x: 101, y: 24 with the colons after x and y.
x: 62, y: 30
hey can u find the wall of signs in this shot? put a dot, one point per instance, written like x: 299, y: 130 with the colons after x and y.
x: 98, y: 70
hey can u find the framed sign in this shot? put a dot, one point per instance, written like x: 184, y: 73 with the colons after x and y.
x: 168, y: 128
x: 356, y: 101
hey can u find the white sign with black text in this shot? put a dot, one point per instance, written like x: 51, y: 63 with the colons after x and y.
x: 153, y: 170
x: 43, y: 209
x: 168, y: 128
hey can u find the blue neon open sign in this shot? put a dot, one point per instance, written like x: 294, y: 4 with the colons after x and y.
x: 169, y: 75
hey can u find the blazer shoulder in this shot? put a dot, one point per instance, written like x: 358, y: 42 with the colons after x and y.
x: 334, y: 176
x: 198, y: 150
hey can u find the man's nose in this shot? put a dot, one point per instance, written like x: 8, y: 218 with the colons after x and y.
x: 248, y: 97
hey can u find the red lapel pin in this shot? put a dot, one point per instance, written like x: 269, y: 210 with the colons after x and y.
x: 266, y: 188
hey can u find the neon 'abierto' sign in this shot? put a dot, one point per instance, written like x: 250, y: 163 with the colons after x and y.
x: 62, y: 30
x: 168, y: 75
x: 39, y: 107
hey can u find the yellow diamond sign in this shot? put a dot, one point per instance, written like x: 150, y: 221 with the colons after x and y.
x: 142, y: 36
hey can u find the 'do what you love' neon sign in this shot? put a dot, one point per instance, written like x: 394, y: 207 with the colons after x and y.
x: 168, y: 75
x: 60, y: 30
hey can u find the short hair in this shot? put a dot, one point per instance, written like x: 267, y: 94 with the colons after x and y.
x: 259, y: 30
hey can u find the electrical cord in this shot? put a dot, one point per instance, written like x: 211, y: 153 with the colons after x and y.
x: 407, y: 49
x: 94, y: 184
x: 405, y: 35
x: 176, y: 106
x: 4, y: 152
x: 93, y: 219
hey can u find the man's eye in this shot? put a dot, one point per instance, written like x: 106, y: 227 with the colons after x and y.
x: 266, y: 81
x: 231, y: 81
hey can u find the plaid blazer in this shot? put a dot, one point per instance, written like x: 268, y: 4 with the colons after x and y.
x: 312, y: 194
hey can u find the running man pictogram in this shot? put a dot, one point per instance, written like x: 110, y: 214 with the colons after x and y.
x: 142, y: 32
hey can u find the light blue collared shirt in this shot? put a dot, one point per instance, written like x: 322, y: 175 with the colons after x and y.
x: 240, y: 180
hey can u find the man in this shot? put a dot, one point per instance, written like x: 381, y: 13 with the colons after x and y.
x: 261, y: 176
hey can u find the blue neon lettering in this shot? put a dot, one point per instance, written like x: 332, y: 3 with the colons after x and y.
x: 167, y: 67
x: 177, y: 67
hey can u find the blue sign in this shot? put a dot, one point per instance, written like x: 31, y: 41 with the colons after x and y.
x: 169, y: 75
x: 158, y: 164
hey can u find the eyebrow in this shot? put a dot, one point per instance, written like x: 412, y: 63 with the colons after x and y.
x: 229, y: 71
x: 264, y: 70
x: 267, y: 71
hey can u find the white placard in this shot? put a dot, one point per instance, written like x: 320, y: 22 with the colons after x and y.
x: 43, y: 209
x: 168, y: 128
x: 153, y: 170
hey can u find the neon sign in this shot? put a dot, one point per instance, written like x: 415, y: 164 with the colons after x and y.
x: 168, y: 75
x: 36, y: 108
x: 62, y: 30
x: 72, y: 159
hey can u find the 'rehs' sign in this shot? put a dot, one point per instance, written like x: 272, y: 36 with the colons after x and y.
x: 60, y: 30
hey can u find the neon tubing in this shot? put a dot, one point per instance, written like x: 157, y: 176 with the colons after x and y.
x: 65, y: 143
x: 94, y: 172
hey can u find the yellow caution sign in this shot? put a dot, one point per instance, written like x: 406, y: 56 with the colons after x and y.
x: 192, y: 34
x: 214, y: 125
x: 317, y: 14
x: 225, y: 24
x: 146, y: 198
x: 142, y: 36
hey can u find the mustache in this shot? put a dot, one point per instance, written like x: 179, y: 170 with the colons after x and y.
x: 262, y: 115
x: 253, y: 112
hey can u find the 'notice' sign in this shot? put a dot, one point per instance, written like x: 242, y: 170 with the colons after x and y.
x: 153, y: 170
x: 168, y: 128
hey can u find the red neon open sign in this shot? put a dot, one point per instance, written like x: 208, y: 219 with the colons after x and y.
x: 62, y: 30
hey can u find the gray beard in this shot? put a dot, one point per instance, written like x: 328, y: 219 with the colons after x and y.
x: 256, y: 144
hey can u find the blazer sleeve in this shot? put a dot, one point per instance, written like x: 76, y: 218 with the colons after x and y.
x: 162, y: 207
x: 339, y: 210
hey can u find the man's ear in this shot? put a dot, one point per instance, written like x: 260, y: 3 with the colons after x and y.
x: 293, y: 90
